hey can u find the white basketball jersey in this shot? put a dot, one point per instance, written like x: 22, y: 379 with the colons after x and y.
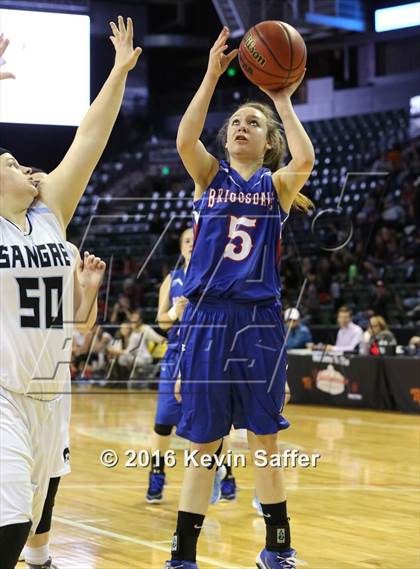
x: 36, y: 296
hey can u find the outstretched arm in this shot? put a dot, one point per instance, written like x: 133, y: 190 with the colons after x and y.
x: 64, y: 186
x: 201, y: 165
x: 3, y: 46
x: 289, y: 180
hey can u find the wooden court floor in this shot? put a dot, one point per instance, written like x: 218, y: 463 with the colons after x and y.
x: 359, y: 508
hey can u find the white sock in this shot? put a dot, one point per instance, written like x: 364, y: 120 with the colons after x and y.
x: 36, y: 555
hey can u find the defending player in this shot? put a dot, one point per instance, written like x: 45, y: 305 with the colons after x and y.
x: 88, y: 276
x: 36, y: 280
x: 171, y: 307
x: 233, y: 364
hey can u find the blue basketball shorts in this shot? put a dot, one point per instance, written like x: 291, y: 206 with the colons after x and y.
x: 168, y: 410
x: 233, y: 369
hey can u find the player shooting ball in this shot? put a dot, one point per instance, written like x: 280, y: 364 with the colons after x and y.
x: 233, y: 363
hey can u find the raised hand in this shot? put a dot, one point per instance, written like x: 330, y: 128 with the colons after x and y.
x: 286, y: 92
x: 218, y: 60
x: 122, y: 38
x: 3, y: 46
x: 90, y: 272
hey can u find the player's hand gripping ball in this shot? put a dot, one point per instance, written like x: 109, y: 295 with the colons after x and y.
x: 272, y: 55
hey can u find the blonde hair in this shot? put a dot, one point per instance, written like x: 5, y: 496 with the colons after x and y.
x: 274, y: 156
x: 378, y: 321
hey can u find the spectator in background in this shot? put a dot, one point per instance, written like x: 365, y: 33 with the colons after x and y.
x: 133, y: 289
x: 311, y: 302
x: 121, y: 310
x: 299, y: 335
x: 129, y: 351
x: 141, y: 336
x: 91, y: 356
x: 380, y: 335
x: 349, y: 334
x: 393, y: 212
x: 76, y: 350
x: 380, y: 300
x: 121, y: 358
x: 336, y: 292
x: 414, y: 345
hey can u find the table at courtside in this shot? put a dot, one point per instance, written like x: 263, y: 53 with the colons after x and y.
x: 372, y: 382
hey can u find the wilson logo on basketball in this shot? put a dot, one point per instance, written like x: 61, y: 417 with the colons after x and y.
x: 250, y: 45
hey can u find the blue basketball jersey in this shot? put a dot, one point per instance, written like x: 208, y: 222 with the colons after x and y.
x: 175, y: 291
x: 237, y: 238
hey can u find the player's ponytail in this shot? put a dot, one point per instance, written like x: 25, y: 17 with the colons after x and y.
x: 275, y: 155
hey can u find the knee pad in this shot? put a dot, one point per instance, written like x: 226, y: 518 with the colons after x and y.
x: 45, y: 521
x: 12, y: 540
x: 163, y: 430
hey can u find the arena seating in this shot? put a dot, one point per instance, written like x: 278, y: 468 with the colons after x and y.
x: 140, y: 201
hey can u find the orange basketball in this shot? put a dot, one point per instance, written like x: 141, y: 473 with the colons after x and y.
x: 272, y: 54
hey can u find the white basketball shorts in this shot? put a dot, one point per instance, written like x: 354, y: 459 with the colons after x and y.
x: 31, y: 437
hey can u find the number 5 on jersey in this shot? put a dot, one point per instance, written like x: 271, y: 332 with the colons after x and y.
x: 240, y: 250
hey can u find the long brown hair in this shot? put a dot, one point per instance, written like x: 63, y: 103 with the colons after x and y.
x: 274, y: 156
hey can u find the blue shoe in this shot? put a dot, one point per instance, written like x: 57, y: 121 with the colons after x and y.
x: 155, y: 491
x: 180, y: 565
x: 273, y: 560
x: 256, y: 504
x: 217, y: 488
x: 228, y: 489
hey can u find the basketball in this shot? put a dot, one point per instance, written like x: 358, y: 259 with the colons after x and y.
x: 272, y: 54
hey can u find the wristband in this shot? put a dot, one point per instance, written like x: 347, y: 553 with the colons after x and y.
x: 172, y: 314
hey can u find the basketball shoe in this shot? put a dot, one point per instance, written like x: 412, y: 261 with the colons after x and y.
x: 47, y: 565
x: 155, y: 491
x: 180, y: 565
x: 274, y: 560
x: 217, y: 487
x: 228, y: 489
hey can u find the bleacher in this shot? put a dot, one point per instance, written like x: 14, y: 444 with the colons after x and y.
x: 130, y: 207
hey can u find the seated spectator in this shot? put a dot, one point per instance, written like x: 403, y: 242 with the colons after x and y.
x: 76, y: 349
x: 121, y: 310
x: 393, y: 211
x: 349, y: 335
x: 380, y: 300
x: 132, y: 359
x: 414, y: 346
x: 299, y: 335
x: 91, y: 356
x: 414, y: 341
x: 121, y: 358
x: 380, y: 335
x: 142, y: 334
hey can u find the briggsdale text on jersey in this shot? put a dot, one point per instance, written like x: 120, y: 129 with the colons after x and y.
x: 289, y: 458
